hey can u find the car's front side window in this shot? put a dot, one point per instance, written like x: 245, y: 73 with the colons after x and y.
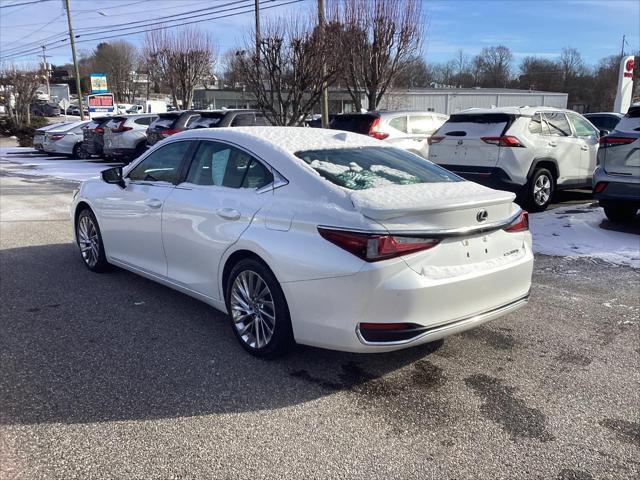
x: 582, y: 127
x: 163, y: 165
x: 222, y: 165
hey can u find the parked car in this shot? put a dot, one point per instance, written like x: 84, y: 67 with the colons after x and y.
x: 93, y: 135
x: 75, y: 110
x: 230, y: 118
x: 44, y: 109
x: 404, y: 129
x: 135, y: 109
x: 38, y: 137
x: 532, y: 151
x: 616, y: 180
x: 125, y: 136
x: 605, y: 122
x: 399, y: 252
x: 65, y: 140
x: 170, y: 123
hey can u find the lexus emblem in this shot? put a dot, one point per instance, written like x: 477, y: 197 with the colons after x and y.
x: 482, y: 215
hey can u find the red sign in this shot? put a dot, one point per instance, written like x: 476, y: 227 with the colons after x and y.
x: 101, y: 101
x: 629, y: 65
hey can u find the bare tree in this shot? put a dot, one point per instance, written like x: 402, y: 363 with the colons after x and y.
x: 286, y: 76
x: 380, y: 39
x: 495, y: 64
x: 571, y: 64
x: 117, y: 61
x: 184, y: 58
x: 231, y: 69
x: 19, y: 86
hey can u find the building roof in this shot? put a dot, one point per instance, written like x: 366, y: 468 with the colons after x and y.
x: 473, y: 91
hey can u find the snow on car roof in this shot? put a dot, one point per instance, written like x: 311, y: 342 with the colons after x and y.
x: 290, y: 139
x: 524, y: 110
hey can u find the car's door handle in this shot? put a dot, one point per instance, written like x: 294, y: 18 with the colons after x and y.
x: 584, y: 148
x: 553, y: 144
x: 228, y: 213
x: 153, y: 203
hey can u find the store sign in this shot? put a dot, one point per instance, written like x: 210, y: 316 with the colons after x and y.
x: 625, y: 85
x: 101, y: 104
x: 99, y: 83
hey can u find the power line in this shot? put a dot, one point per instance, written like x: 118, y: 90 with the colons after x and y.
x: 23, y: 3
x: 55, y: 45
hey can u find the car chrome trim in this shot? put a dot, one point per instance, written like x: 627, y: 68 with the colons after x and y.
x: 453, y: 232
x: 467, y: 322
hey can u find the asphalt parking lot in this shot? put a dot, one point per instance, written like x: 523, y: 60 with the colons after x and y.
x: 113, y: 376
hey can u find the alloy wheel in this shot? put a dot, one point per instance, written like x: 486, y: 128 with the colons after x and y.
x: 542, y: 190
x: 252, y: 309
x: 88, y: 240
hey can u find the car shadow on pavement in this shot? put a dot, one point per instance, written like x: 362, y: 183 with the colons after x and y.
x: 80, y: 347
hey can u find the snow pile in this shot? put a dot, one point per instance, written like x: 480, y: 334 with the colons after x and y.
x: 27, y: 161
x: 577, y: 231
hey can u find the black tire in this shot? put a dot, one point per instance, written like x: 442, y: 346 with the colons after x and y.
x: 80, y: 152
x: 539, y: 190
x: 98, y: 264
x: 244, y: 326
x: 621, y: 213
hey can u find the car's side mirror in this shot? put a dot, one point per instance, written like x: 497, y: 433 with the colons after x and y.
x: 113, y: 175
x: 604, y: 132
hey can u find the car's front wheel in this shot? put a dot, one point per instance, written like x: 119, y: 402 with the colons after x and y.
x: 258, y: 309
x: 80, y: 152
x: 540, y: 190
x: 90, y: 243
x: 620, y: 213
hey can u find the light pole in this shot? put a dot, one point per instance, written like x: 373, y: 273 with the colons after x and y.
x: 75, y: 60
x: 324, y: 101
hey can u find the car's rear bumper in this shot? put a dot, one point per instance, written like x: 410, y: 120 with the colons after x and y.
x: 619, y: 188
x: 328, y: 312
x: 492, y: 177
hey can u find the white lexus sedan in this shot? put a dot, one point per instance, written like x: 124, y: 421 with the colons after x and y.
x: 314, y: 236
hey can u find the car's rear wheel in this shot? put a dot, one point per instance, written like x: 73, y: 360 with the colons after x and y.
x: 258, y: 309
x: 90, y: 243
x: 620, y: 213
x: 80, y: 152
x: 540, y: 190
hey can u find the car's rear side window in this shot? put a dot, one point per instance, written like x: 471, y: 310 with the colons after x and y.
x: 558, y: 124
x: 370, y: 167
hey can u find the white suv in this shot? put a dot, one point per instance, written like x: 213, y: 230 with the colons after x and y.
x: 531, y: 151
x: 125, y: 136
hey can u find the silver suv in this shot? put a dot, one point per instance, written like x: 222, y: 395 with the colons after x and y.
x: 407, y: 129
x: 531, y: 151
x: 616, y: 180
x: 125, y: 136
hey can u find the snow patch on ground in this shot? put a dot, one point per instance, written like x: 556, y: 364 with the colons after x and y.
x: 27, y: 161
x: 577, y: 231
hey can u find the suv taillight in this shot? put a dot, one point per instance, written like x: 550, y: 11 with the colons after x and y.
x: 615, y: 141
x: 99, y: 130
x: 121, y: 128
x: 504, y: 141
x: 520, y: 224
x: 374, y: 130
x: 55, y: 137
x: 373, y: 247
x: 167, y: 132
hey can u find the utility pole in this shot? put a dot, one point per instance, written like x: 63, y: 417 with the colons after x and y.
x: 324, y: 100
x: 75, y: 60
x: 257, y: 10
x: 46, y: 70
x: 623, y: 42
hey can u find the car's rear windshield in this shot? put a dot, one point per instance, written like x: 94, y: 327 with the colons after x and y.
x: 476, y: 125
x: 370, y: 167
x: 207, y: 120
x: 165, y: 121
x: 353, y: 123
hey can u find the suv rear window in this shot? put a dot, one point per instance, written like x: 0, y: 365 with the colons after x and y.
x: 370, y: 167
x: 164, y: 121
x: 476, y: 125
x: 353, y: 123
x: 207, y: 120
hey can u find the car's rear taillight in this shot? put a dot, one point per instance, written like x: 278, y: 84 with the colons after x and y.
x: 167, y: 132
x: 504, y: 141
x: 121, y: 128
x: 520, y: 224
x: 374, y: 130
x: 99, y: 130
x: 600, y: 186
x: 615, y: 141
x: 373, y: 247
x: 433, y: 140
x: 56, y: 137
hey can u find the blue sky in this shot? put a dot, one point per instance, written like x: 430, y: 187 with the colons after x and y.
x: 527, y: 27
